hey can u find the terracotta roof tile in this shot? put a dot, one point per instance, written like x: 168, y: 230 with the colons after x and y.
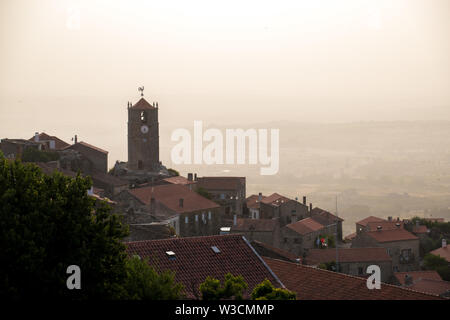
x: 364, y: 222
x: 275, y: 199
x: 87, y: 145
x: 324, y: 217
x: 59, y: 144
x: 170, y: 194
x: 195, y: 259
x: 316, y: 284
x: 431, y: 286
x: 252, y: 201
x: 391, y: 235
x: 443, y: 252
x: 142, y: 104
x: 266, y: 250
x: 420, y: 229
x: 385, y: 225
x: 305, y: 226
x: 350, y: 237
x: 417, y: 275
x: 317, y: 256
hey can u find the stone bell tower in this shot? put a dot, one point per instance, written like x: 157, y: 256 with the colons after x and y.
x: 143, y: 135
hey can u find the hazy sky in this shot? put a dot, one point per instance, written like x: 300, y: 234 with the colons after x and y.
x: 70, y: 67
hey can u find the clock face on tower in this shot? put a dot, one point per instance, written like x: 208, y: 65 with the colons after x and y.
x: 144, y: 129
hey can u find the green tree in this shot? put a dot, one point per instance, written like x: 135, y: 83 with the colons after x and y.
x: 266, y: 291
x: 47, y: 223
x: 144, y: 283
x: 233, y: 287
x: 439, y: 264
x: 173, y: 172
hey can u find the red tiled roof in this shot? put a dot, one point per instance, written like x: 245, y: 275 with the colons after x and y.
x: 220, y: 183
x: 266, y: 250
x: 170, y: 194
x: 317, y: 256
x: 417, y: 275
x: 142, y: 104
x: 324, y: 217
x: 195, y: 260
x: 443, y: 252
x: 385, y: 225
x: 275, y: 199
x: 350, y: 237
x: 364, y: 222
x: 254, y: 225
x: 305, y: 226
x: 87, y: 145
x: 59, y: 144
x: 179, y: 180
x: 391, y: 235
x: 311, y: 283
x: 431, y: 286
x: 252, y: 201
x: 420, y: 229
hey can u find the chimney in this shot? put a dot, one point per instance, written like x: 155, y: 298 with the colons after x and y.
x: 389, y: 219
x: 379, y: 228
x: 310, y: 207
x: 235, y: 220
x: 36, y: 136
x: 259, y: 197
x: 195, y: 177
x: 397, y: 225
x: 181, y: 202
x: 190, y: 176
x: 444, y: 243
x: 76, y: 139
x: 304, y: 200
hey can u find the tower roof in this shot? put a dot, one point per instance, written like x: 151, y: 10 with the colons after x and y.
x: 142, y: 104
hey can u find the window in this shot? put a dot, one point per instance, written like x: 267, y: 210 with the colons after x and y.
x: 196, y: 218
x: 186, y: 220
x: 143, y: 116
x: 209, y: 215
x: 222, y: 196
x: 360, y: 270
x: 140, y: 165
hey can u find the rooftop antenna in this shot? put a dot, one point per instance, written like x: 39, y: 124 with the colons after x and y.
x: 141, y: 89
x: 336, y: 240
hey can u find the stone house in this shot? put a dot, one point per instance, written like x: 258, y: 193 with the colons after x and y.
x: 362, y: 224
x: 327, y: 219
x: 401, y: 245
x: 282, y: 208
x: 98, y: 157
x: 354, y: 261
x: 51, y: 142
x: 263, y: 230
x: 301, y: 236
x: 187, y: 212
x: 229, y: 192
x: 14, y: 148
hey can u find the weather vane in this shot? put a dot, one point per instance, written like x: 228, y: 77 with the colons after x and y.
x: 141, y: 89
